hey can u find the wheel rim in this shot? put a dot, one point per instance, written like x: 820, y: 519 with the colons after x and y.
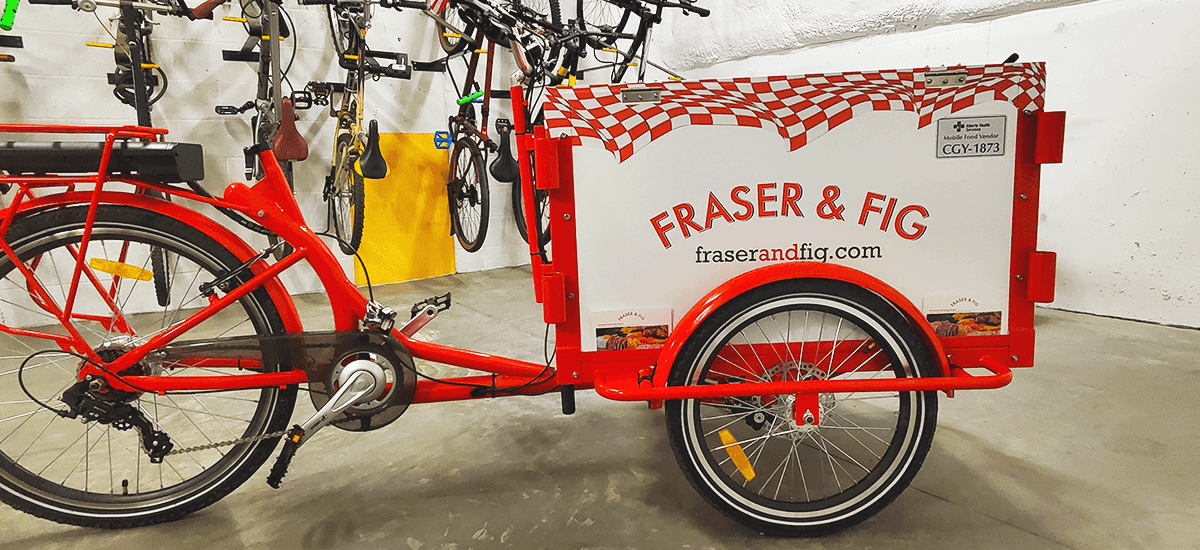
x: 451, y: 44
x: 466, y: 188
x: 343, y: 198
x: 807, y: 474
x: 96, y: 470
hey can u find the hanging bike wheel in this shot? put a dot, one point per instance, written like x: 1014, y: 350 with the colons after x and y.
x: 468, y: 193
x: 96, y: 474
x: 614, y: 29
x: 451, y: 41
x: 543, y: 213
x: 347, y: 199
x: 751, y: 457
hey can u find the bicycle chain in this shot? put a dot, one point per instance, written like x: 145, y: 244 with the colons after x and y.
x: 226, y: 443
x: 250, y: 439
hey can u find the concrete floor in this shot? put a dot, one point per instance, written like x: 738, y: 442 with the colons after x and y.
x: 1094, y: 448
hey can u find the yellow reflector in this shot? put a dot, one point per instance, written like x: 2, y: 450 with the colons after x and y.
x: 737, y: 454
x: 235, y: 19
x: 149, y: 66
x: 99, y: 44
x: 120, y: 270
x: 451, y: 35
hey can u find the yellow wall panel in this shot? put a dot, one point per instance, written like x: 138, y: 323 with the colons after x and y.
x: 406, y: 230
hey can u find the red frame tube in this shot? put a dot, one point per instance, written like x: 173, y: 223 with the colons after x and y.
x: 625, y: 386
x: 271, y: 203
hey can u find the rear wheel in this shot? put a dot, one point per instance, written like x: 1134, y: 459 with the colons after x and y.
x: 776, y: 471
x: 93, y: 473
x: 468, y: 192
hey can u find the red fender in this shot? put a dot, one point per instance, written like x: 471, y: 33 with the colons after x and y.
x: 283, y: 300
x: 794, y: 270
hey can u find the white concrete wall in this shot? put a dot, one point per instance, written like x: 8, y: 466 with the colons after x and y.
x: 57, y: 79
x: 1123, y: 210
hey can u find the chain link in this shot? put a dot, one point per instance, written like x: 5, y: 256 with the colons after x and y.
x: 227, y: 443
x: 250, y: 439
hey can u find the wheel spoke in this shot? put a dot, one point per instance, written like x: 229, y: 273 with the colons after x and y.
x: 862, y: 450
x: 113, y: 314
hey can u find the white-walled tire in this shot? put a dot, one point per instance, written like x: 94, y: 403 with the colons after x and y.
x: 751, y: 458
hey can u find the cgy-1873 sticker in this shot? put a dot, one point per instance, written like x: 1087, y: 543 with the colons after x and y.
x: 970, y: 137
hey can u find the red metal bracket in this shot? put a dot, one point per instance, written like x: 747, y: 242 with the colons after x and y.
x: 1042, y: 272
x: 626, y: 386
x: 1051, y: 131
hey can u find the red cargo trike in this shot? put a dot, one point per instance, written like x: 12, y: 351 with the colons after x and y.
x: 791, y: 267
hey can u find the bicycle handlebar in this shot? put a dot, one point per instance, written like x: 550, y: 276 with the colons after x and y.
x: 688, y: 6
x: 53, y: 2
x: 397, y: 4
x: 205, y: 10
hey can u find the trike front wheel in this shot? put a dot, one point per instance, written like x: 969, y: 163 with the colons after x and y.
x: 779, y: 472
x: 98, y: 473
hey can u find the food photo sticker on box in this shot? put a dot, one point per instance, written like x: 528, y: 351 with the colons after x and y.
x: 964, y: 316
x: 632, y: 328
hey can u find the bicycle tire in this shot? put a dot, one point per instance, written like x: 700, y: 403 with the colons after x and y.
x: 543, y: 214
x: 347, y: 200
x: 855, y: 460
x: 159, y: 262
x: 468, y: 193
x: 450, y: 43
x: 54, y: 467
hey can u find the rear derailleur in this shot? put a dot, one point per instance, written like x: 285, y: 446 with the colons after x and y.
x: 114, y: 408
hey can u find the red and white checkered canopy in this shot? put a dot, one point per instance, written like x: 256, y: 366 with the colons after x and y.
x: 800, y: 108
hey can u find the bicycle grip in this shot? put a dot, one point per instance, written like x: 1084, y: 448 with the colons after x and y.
x: 205, y: 10
x: 10, y: 13
x: 689, y: 6
x: 53, y: 2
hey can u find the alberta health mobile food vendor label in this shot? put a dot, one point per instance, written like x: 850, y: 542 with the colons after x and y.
x: 677, y: 195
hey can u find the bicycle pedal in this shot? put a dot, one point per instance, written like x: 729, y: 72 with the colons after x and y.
x: 424, y: 312
x: 290, y: 444
x: 441, y: 140
x: 442, y: 303
x: 302, y: 100
x: 379, y: 316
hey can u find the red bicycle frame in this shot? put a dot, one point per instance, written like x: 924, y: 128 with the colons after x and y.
x: 625, y: 375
